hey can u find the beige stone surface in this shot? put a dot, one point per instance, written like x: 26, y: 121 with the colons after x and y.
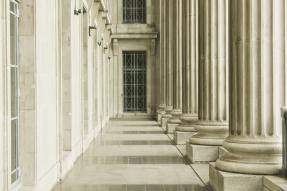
x: 225, y: 181
x: 170, y: 127
x: 181, y: 138
x: 275, y: 183
x: 201, y: 153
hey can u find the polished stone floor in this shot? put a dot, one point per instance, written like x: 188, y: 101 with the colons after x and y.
x: 134, y: 155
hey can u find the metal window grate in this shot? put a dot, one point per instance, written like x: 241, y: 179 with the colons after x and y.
x: 134, y: 11
x: 134, y: 81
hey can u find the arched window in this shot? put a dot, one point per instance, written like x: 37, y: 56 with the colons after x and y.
x: 134, y: 11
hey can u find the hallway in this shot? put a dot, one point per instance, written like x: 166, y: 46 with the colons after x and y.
x: 132, y: 155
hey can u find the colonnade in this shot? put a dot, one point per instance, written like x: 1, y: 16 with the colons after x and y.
x: 229, y: 81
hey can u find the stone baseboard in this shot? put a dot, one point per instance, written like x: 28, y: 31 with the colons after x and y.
x: 226, y: 181
x: 201, y: 153
x: 180, y: 137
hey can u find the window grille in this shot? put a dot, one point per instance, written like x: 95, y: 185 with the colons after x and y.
x: 134, y: 81
x: 134, y: 11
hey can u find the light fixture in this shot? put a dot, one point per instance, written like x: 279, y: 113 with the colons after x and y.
x: 76, y: 11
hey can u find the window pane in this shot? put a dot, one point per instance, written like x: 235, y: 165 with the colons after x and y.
x: 14, y: 92
x: 14, y: 150
x: 13, y: 39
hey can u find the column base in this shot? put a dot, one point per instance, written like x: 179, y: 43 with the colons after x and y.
x: 160, y: 112
x: 174, y: 121
x: 226, y: 181
x: 201, y: 153
x: 211, y: 133
x: 184, y: 131
x: 164, y: 120
x: 247, y: 155
x: 181, y: 137
x: 170, y: 127
x: 274, y: 183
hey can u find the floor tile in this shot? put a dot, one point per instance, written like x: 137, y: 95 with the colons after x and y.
x: 132, y: 155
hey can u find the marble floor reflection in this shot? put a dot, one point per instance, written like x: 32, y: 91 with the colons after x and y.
x: 132, y: 155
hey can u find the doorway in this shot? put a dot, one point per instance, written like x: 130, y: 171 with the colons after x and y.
x: 134, y: 78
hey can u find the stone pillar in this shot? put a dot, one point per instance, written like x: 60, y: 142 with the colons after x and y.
x: 258, y: 87
x: 162, y: 68
x: 177, y: 69
x: 212, y: 125
x: 169, y: 62
x: 189, y: 74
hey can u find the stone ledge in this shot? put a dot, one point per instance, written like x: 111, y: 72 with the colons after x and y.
x: 201, y: 153
x: 275, y: 183
x: 226, y: 181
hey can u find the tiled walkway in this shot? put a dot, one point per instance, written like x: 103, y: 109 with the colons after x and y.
x: 132, y: 156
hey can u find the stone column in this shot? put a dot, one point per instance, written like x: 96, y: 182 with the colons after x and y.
x: 189, y: 74
x: 258, y: 87
x: 169, y: 62
x: 162, y: 68
x: 212, y: 125
x: 177, y: 70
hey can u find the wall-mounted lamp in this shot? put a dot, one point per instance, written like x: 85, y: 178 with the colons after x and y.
x: 84, y: 11
x: 99, y: 43
x: 109, y: 57
x: 77, y: 12
x: 91, y: 28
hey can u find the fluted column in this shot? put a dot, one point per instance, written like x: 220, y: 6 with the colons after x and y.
x: 213, y: 74
x: 189, y: 65
x: 177, y: 65
x: 258, y: 87
x: 162, y: 68
x: 170, y: 53
x: 169, y: 62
